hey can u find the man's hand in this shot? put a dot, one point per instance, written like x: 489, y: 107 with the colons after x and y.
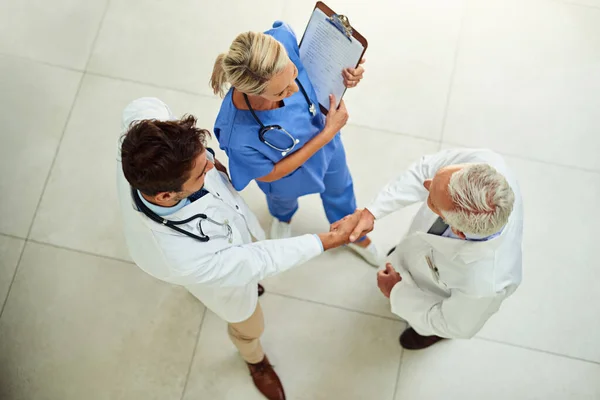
x: 340, y: 235
x: 221, y: 167
x: 387, y: 279
x: 364, y: 224
x: 352, y: 76
x: 349, y: 222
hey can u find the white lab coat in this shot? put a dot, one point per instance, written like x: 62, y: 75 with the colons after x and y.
x: 473, y: 278
x: 222, y: 274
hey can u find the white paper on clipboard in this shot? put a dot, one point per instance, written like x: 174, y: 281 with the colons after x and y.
x: 325, y: 52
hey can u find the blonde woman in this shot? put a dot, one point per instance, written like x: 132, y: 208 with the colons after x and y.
x: 273, y: 131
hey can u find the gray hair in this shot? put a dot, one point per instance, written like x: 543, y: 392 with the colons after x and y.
x: 482, y: 198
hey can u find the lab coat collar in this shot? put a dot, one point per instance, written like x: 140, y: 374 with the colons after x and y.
x: 467, y: 251
x: 199, y: 206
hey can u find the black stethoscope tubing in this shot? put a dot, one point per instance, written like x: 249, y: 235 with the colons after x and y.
x: 171, y: 224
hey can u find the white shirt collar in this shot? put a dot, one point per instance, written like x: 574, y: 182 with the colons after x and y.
x: 164, y: 211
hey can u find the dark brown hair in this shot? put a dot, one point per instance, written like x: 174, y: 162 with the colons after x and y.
x: 158, y: 156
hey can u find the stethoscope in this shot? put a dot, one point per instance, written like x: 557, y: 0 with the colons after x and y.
x: 174, y: 224
x: 264, y: 129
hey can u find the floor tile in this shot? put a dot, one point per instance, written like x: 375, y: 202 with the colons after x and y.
x: 556, y: 307
x: 340, y: 277
x: 532, y: 90
x: 34, y: 106
x: 409, y: 65
x: 174, y: 45
x: 477, y: 369
x: 83, y: 327
x: 351, y: 356
x: 80, y: 208
x: 61, y: 33
x: 10, y: 252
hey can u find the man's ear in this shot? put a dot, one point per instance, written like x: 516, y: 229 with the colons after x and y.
x: 164, y: 197
x: 459, y: 234
x: 427, y: 184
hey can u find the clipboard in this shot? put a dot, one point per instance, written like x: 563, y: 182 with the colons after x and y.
x: 330, y: 44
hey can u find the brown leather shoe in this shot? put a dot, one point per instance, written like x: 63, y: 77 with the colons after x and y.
x: 266, y: 380
x: 261, y: 290
x: 411, y: 340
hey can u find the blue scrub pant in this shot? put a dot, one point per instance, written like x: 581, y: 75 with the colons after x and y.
x: 338, y: 198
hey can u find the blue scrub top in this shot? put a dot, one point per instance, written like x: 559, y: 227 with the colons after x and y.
x: 249, y: 158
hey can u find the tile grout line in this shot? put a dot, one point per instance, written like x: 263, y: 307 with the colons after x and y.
x: 453, y: 73
x: 42, y: 62
x: 8, y: 235
x: 74, y: 250
x: 189, y: 371
x: 536, y: 350
x: 100, y: 25
x: 524, y: 158
x: 333, y: 306
x: 398, y: 374
x: 122, y: 79
x: 12, y: 280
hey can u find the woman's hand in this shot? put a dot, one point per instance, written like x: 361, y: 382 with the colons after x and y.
x: 353, y: 75
x: 336, y: 118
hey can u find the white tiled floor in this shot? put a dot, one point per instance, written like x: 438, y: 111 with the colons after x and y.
x: 80, y: 321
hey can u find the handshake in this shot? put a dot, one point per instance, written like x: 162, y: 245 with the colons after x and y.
x: 349, y: 229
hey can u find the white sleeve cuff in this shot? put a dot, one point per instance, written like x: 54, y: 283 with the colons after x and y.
x: 320, y: 243
x: 394, y: 296
x: 377, y: 213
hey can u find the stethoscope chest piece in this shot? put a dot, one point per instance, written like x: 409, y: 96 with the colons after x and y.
x: 285, y: 153
x: 264, y: 129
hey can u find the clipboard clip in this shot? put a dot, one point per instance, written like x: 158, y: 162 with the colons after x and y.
x: 342, y: 23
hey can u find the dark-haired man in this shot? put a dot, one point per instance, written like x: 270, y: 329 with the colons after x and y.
x: 185, y: 224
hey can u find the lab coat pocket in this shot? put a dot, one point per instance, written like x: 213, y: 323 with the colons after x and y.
x: 435, y: 272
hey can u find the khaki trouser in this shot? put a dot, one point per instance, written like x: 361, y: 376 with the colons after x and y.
x: 245, y: 336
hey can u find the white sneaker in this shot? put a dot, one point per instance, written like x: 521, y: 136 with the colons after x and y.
x: 280, y: 230
x: 369, y: 253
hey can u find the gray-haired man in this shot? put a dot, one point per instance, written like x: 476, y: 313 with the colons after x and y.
x: 462, y: 255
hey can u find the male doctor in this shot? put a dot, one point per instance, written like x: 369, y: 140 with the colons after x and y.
x: 462, y: 255
x: 166, y: 175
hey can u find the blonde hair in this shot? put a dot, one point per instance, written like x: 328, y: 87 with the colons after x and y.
x: 253, y: 59
x: 483, y: 200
